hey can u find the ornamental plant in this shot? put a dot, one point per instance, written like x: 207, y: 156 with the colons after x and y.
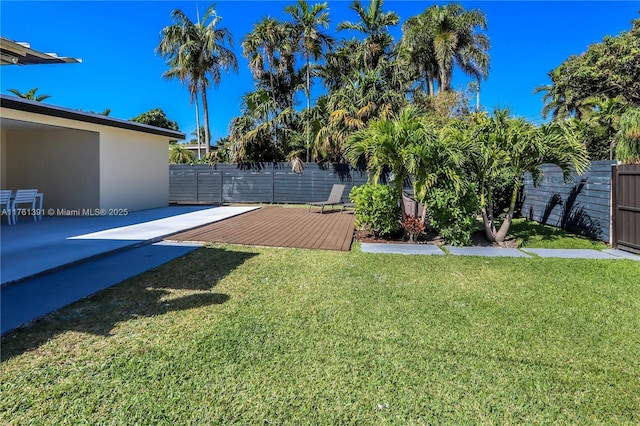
x: 413, y: 226
x: 377, y: 208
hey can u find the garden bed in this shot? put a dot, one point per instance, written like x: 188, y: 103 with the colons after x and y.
x: 523, y: 233
x: 478, y: 239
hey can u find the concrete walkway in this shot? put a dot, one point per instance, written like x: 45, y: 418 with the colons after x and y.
x: 50, y: 264
x: 428, y: 249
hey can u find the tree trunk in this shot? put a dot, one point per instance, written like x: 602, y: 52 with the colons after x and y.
x: 428, y: 82
x: 273, y: 96
x: 399, y: 187
x: 205, y: 111
x: 308, y: 108
x: 486, y: 204
x: 489, y: 226
x: 501, y: 235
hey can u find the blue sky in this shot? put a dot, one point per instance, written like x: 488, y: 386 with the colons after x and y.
x: 119, y: 70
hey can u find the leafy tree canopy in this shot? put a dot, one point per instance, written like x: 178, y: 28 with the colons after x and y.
x: 156, y: 117
x: 607, y: 69
x: 628, y: 137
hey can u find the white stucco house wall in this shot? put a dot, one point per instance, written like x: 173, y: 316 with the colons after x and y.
x: 80, y: 160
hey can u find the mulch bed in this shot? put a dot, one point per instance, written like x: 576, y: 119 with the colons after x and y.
x: 478, y: 239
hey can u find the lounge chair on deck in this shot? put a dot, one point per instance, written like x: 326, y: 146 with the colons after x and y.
x: 335, y: 198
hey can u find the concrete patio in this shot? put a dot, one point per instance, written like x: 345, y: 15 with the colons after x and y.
x: 31, y: 248
x: 49, y: 264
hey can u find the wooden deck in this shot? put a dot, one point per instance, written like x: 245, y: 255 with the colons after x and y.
x: 280, y: 227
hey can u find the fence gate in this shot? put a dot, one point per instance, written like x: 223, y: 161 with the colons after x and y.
x: 625, y: 193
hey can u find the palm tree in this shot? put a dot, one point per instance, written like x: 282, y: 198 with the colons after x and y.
x: 262, y: 45
x: 394, y: 144
x: 454, y: 39
x: 374, y: 24
x: 502, y: 144
x: 178, y: 154
x: 366, y: 96
x: 30, y: 95
x: 417, y: 52
x: 560, y: 99
x: 312, y: 41
x: 196, y: 52
x: 628, y: 137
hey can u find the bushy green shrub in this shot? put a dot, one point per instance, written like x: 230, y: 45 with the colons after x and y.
x: 453, y: 214
x: 377, y: 208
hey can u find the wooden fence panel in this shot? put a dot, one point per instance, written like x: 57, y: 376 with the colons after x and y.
x: 626, y: 202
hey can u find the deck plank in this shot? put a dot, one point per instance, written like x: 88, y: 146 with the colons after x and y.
x: 273, y: 226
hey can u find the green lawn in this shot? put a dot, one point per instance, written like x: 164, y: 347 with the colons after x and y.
x: 231, y: 334
x: 535, y: 235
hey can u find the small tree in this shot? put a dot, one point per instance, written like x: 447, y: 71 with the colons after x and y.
x: 156, y: 117
x: 391, y: 144
x: 504, y: 144
x: 178, y: 154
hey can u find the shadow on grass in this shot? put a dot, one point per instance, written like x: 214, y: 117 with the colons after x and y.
x: 531, y: 233
x: 526, y: 231
x: 181, y: 284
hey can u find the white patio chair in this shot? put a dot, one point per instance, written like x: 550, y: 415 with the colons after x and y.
x: 24, y: 196
x: 5, y: 205
x: 39, y: 199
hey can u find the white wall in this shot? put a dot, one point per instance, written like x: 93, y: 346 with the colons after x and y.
x: 125, y: 169
x: 3, y: 159
x: 134, y: 170
x: 62, y: 164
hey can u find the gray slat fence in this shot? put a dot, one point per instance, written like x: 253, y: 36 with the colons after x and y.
x: 262, y: 183
x: 582, y: 206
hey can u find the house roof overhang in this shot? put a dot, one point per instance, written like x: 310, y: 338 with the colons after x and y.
x: 15, y: 53
x: 25, y: 105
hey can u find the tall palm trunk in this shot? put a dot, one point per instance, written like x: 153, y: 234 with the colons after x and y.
x: 501, y: 235
x: 274, y: 131
x: 308, y: 106
x: 205, y: 111
x: 487, y: 214
x: 490, y: 230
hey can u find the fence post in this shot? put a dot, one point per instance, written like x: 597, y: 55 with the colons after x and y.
x: 613, y: 238
x: 273, y: 184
